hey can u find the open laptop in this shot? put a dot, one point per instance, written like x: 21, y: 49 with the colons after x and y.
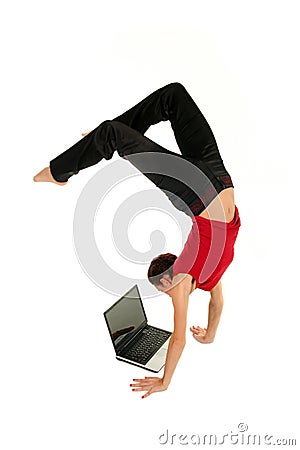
x: 134, y: 340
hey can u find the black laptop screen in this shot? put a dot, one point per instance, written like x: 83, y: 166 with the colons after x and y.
x: 125, y: 316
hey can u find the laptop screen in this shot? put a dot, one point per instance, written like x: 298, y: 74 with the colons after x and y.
x: 125, y: 317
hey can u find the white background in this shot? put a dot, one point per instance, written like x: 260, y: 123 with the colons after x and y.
x: 66, y: 67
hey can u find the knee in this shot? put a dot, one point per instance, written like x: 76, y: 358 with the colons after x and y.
x: 106, y: 123
x: 113, y: 124
x: 176, y: 87
x: 109, y: 128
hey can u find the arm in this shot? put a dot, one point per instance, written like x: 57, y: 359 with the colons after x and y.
x: 207, y: 335
x: 177, y: 340
x: 176, y: 345
x: 214, y: 313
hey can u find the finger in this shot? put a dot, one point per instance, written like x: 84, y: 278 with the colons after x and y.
x: 135, y: 389
x: 141, y: 386
x: 199, y: 333
x: 143, y: 380
x: 147, y: 394
x: 141, y: 383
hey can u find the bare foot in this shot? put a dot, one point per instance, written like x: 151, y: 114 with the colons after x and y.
x: 45, y: 175
x: 84, y: 134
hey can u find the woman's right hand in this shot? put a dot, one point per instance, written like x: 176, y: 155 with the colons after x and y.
x: 84, y: 134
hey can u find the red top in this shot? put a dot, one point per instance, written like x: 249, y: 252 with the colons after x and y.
x: 208, y: 251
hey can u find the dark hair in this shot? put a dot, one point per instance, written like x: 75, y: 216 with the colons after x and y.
x: 161, y: 266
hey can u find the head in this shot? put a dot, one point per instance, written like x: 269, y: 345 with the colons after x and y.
x: 160, y: 272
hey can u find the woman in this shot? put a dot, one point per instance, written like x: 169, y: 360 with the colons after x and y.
x: 209, y: 249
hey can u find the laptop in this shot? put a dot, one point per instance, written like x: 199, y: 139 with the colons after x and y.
x: 134, y: 340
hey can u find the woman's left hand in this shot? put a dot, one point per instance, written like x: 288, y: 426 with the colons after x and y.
x: 149, y: 384
x: 200, y: 334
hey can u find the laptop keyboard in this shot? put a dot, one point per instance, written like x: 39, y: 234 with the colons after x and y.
x: 148, y: 344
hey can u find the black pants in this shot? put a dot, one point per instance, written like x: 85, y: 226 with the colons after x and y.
x: 125, y: 134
